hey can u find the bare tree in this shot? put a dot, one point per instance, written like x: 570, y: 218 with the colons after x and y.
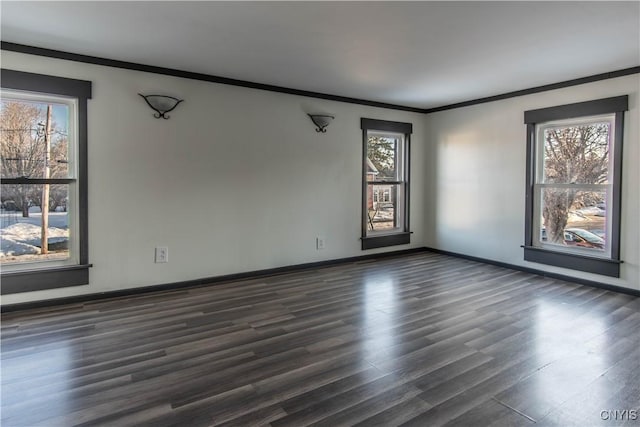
x: 23, y: 152
x: 573, y: 155
x: 22, y: 155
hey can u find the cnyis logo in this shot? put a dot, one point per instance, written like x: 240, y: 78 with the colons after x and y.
x: 619, y: 414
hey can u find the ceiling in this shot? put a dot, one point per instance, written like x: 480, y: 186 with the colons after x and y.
x: 416, y: 54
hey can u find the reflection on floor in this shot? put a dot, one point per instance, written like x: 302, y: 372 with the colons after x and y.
x: 420, y: 340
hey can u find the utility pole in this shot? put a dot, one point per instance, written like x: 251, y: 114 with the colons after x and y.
x: 45, y: 188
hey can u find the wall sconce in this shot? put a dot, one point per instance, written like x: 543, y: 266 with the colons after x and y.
x: 161, y: 104
x: 321, y: 121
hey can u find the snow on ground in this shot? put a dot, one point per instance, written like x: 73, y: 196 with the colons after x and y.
x: 11, y: 247
x: 23, y: 238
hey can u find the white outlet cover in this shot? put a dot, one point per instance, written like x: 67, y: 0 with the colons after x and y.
x: 162, y: 254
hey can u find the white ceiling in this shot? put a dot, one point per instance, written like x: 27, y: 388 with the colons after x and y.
x: 419, y: 54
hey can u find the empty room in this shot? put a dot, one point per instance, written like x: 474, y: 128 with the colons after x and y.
x: 322, y: 213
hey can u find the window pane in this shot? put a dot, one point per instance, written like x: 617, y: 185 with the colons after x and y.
x: 382, y: 152
x: 574, y: 218
x: 21, y: 224
x: 577, y: 154
x: 383, y: 207
x: 34, y: 139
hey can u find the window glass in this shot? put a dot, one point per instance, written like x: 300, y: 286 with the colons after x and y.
x: 572, y: 187
x: 24, y: 119
x: 574, y: 193
x: 383, y: 152
x: 385, y: 213
x: 385, y: 178
x: 385, y: 187
x: 567, y: 213
x: 38, y: 197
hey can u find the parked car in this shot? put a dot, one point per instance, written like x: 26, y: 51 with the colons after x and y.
x: 591, y: 210
x: 583, y: 238
x: 578, y: 237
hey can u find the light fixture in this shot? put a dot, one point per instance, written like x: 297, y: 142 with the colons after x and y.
x: 161, y: 104
x: 321, y: 121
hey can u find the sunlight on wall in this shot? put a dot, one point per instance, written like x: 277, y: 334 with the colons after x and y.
x: 477, y: 171
x: 460, y: 197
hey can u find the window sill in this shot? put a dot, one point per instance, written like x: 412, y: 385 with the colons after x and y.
x: 603, y: 266
x: 381, y: 241
x: 50, y: 278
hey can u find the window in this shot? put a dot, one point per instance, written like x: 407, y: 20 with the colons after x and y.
x: 43, y: 229
x: 573, y: 185
x: 385, y: 189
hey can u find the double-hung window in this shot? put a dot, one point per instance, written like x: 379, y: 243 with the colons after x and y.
x: 385, y: 188
x: 573, y: 185
x: 43, y: 220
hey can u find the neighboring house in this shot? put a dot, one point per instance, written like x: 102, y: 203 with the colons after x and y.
x: 379, y: 196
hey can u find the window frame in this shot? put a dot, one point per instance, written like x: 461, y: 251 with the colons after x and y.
x: 607, y: 266
x: 395, y: 237
x: 43, y: 277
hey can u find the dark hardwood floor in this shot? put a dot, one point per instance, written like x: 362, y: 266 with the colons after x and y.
x: 419, y: 340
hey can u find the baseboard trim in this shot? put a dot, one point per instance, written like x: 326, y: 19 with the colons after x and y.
x: 217, y: 280
x: 579, y: 281
x: 207, y: 281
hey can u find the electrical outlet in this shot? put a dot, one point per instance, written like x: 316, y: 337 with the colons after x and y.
x: 162, y: 254
x: 319, y: 243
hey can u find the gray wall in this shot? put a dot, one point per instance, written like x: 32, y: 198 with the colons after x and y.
x: 238, y: 180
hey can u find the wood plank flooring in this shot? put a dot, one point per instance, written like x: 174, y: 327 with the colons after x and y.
x: 417, y: 340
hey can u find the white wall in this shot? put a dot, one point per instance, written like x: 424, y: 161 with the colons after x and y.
x: 476, y: 178
x: 237, y: 180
